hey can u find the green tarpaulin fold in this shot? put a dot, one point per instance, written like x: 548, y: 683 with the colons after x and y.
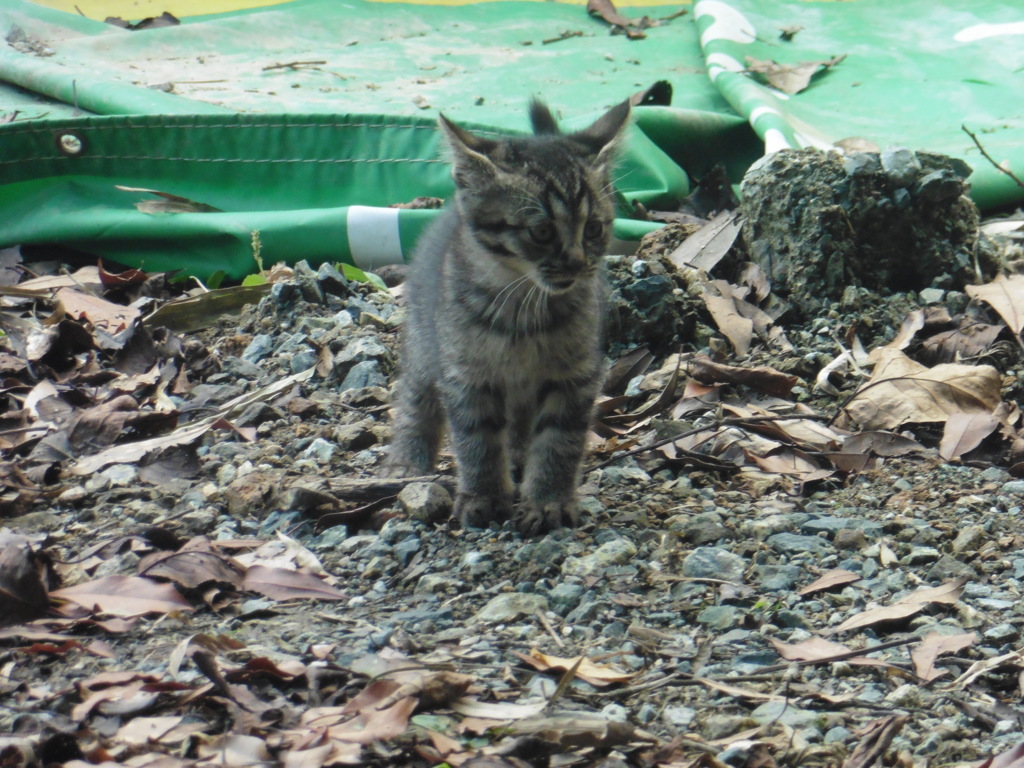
x: 305, y: 121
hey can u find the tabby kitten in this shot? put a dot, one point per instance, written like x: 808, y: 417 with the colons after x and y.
x: 503, y: 325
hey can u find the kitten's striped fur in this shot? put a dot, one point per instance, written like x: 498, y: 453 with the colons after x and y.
x: 502, y: 335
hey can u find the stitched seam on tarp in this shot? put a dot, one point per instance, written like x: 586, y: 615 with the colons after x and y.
x: 334, y: 161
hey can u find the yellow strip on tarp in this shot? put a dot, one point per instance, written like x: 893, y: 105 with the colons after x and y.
x: 139, y: 9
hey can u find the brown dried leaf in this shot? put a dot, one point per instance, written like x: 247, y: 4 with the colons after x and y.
x: 934, y: 645
x: 906, y: 606
x: 964, y: 432
x: 25, y: 577
x: 881, y: 444
x: 760, y: 378
x: 789, y: 78
x: 282, y: 584
x: 104, y: 315
x: 588, y: 671
x: 124, y: 596
x: 195, y: 564
x: 708, y: 245
x: 1011, y: 758
x: 902, y: 391
x: 873, y: 741
x: 837, y: 577
x: 1006, y: 296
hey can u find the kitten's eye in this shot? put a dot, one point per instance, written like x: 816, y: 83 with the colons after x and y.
x: 593, y: 229
x: 542, y: 233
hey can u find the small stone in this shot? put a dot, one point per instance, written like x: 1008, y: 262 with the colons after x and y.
x: 784, y: 712
x: 779, y: 578
x: 721, y: 617
x: 900, y: 165
x: 624, y: 475
x: 365, y: 374
x: 920, y: 556
x: 1014, y: 486
x: 678, y: 716
x: 426, y: 502
x: 906, y: 695
x: 331, y: 281
x: 1002, y: 633
x: 121, y: 475
x: 849, y: 539
x: 615, y: 552
x: 948, y: 567
x: 510, y: 606
x: 435, y: 584
x: 794, y: 543
x: 564, y: 596
x: 723, y: 726
x: 319, y: 450
x: 969, y: 540
x: 932, y: 295
x: 259, y: 348
x: 714, y: 563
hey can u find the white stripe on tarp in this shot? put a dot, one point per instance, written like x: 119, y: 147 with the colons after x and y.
x: 373, y: 238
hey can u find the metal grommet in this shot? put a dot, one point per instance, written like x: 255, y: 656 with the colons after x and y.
x: 70, y: 144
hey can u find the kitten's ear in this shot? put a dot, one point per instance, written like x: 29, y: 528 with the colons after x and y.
x: 469, y: 153
x: 601, y: 137
x: 541, y: 119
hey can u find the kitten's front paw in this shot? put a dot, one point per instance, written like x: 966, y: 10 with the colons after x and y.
x: 537, y: 518
x: 475, y: 511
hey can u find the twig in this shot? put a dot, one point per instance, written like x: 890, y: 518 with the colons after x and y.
x: 549, y: 629
x: 294, y: 65
x: 564, y: 36
x: 988, y: 157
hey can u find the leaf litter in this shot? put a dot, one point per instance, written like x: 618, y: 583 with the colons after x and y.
x: 219, y: 617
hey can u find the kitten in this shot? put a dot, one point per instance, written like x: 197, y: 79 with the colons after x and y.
x: 502, y: 337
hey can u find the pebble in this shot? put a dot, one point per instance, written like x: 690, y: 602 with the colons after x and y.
x: 794, y: 543
x: 714, y: 563
x: 426, y: 502
x: 615, y: 552
x: 510, y: 606
x: 260, y: 348
x: 678, y: 717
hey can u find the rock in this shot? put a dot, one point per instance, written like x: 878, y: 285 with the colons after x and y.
x: 678, y: 717
x: 564, y: 597
x: 260, y: 348
x: 849, y: 539
x: 779, y: 578
x: 969, y: 540
x: 794, y: 543
x: 427, y: 502
x: 320, y: 450
x: 332, y: 282
x: 615, y: 552
x: 714, y: 563
x: 623, y: 475
x: 948, y: 567
x: 365, y: 374
x: 721, y: 617
x: 510, y: 606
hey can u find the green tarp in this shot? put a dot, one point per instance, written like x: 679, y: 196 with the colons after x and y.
x: 304, y: 121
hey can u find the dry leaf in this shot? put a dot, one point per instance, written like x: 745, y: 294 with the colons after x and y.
x: 837, y: 577
x: 906, y: 606
x: 964, y: 432
x: 1006, y: 296
x: 873, y: 741
x: 708, y: 245
x: 789, y: 78
x: 104, y: 315
x: 124, y: 596
x: 902, y: 391
x: 934, y: 645
x: 588, y: 671
x: 282, y: 584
